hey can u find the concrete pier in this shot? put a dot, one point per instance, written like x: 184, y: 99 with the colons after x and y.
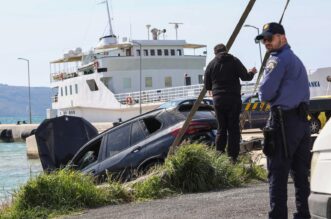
x: 17, y: 131
x: 21, y: 132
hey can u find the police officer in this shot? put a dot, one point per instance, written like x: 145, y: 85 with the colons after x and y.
x: 222, y: 78
x: 285, y: 87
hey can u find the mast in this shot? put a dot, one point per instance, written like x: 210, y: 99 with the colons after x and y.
x: 111, y: 37
x: 109, y: 20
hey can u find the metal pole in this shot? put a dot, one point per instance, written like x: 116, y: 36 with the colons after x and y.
x: 29, y: 88
x: 140, y: 62
x: 258, y: 33
x: 140, y: 73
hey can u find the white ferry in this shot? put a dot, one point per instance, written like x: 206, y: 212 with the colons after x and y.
x: 119, y: 80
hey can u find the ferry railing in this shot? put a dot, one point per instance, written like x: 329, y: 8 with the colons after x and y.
x: 167, y: 94
x: 60, y: 76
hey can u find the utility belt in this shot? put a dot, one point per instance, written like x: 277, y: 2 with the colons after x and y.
x: 301, y: 110
x: 275, y: 127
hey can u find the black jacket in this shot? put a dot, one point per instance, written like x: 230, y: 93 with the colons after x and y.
x: 223, y: 73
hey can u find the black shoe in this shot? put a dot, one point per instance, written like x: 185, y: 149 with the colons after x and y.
x: 233, y: 161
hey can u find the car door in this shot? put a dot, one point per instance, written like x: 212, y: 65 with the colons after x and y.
x: 124, y: 149
x: 87, y: 159
x: 117, y: 141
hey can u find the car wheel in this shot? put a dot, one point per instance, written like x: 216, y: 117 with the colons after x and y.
x: 315, y: 126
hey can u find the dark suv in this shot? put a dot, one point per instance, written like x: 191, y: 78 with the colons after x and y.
x: 141, y: 142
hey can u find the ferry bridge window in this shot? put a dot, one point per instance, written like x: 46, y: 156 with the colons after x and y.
x: 61, y: 91
x: 145, y: 52
x: 92, y: 85
x: 65, y: 90
x: 118, y: 140
x: 152, y: 52
x: 179, y: 52
x: 200, y: 79
x: 70, y: 89
x: 148, y: 82
x: 168, y: 81
x: 76, y: 88
x: 172, y: 52
x: 138, y: 52
x: 187, y: 80
x: 166, y: 52
x: 127, y: 83
x: 107, y: 81
x: 159, y: 52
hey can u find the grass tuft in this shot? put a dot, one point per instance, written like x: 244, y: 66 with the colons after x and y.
x: 191, y: 169
x: 57, y: 193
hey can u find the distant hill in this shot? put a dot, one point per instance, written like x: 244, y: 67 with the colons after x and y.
x: 14, y: 100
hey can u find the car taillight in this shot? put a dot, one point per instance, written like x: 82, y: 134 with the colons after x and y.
x: 193, y: 128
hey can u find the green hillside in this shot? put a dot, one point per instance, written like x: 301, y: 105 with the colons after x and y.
x: 14, y: 100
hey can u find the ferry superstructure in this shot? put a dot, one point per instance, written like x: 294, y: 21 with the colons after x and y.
x: 116, y: 81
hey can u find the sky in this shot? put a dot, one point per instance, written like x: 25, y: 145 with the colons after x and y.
x: 43, y: 30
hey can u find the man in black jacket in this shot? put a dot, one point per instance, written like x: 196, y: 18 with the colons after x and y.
x: 222, y: 78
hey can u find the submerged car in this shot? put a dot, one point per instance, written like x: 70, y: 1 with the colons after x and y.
x: 142, y: 142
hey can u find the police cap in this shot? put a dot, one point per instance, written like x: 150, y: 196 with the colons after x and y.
x: 269, y: 30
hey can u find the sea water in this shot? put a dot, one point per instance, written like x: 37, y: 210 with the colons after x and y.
x: 15, y: 168
x: 15, y: 119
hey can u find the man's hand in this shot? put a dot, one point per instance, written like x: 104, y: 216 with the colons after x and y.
x: 253, y: 70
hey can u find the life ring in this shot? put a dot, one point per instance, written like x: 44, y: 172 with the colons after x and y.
x: 96, y: 64
x: 129, y: 100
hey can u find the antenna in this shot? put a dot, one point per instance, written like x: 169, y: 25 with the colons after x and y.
x: 176, y: 27
x: 148, y: 26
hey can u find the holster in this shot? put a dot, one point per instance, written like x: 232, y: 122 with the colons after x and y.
x: 269, y: 141
x: 303, y: 110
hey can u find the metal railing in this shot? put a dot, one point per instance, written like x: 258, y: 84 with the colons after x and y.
x: 167, y: 94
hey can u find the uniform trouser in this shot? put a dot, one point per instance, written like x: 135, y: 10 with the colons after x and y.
x: 297, y: 163
x: 227, y: 111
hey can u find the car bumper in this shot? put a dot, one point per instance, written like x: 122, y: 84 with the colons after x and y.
x: 320, y: 205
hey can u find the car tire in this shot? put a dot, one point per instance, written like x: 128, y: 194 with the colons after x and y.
x: 315, y: 126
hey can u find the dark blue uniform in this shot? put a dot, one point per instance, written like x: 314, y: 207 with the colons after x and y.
x: 285, y: 86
